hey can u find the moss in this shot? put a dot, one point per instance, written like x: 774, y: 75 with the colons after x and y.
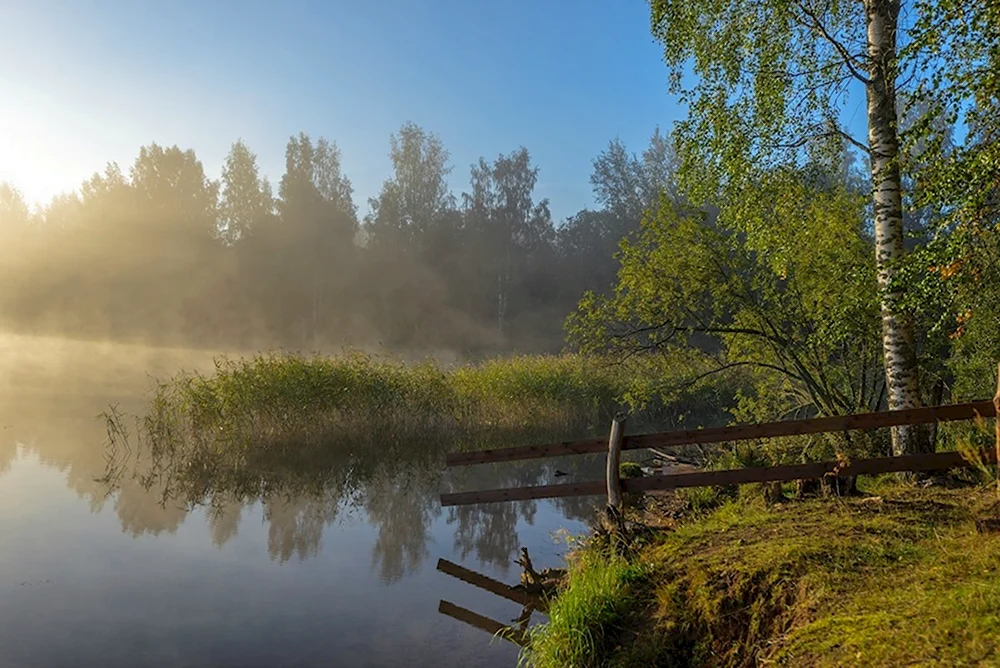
x: 880, y: 581
x: 630, y: 470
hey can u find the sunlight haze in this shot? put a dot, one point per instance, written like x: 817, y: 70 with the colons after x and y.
x: 86, y: 83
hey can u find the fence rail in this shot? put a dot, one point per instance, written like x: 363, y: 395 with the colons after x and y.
x: 613, y: 486
x: 744, y: 432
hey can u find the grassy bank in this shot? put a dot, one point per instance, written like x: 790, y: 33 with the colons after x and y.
x: 901, y: 577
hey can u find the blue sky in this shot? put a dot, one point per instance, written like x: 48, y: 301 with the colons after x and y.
x: 84, y: 82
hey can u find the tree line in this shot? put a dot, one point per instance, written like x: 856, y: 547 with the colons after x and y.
x: 164, y: 253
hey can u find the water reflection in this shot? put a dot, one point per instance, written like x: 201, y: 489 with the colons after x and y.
x: 399, y: 499
x: 331, y: 567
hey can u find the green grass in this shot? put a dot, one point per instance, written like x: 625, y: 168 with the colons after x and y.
x: 274, y: 396
x: 900, y: 580
x: 588, y: 621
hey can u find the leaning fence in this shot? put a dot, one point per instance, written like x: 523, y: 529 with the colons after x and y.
x: 613, y: 485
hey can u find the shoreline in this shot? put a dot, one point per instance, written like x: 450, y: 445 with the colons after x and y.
x: 895, y: 575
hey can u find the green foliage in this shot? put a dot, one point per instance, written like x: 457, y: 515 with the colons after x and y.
x: 630, y: 470
x: 956, y: 47
x: 767, y: 84
x: 799, y: 316
x: 699, y: 499
x: 741, y: 455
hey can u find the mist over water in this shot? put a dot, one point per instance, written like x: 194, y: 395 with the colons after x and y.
x: 164, y: 253
x: 98, y: 576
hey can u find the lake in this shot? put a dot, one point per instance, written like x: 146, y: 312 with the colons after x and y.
x: 94, y: 575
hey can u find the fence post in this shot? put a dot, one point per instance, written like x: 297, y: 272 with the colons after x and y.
x: 614, y: 461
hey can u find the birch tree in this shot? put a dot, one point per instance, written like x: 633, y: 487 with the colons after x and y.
x: 771, y: 79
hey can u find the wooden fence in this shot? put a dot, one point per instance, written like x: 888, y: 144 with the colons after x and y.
x: 613, y: 486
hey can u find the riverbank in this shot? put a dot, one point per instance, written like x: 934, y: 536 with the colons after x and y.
x: 899, y: 575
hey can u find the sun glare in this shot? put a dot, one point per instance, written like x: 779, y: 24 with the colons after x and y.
x: 43, y: 146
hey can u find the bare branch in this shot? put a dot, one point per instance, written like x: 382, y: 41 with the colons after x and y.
x: 864, y: 148
x: 831, y: 131
x: 818, y: 27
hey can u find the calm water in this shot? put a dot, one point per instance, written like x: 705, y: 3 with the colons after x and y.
x: 89, y: 578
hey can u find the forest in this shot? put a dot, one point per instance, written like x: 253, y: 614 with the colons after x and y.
x: 161, y: 252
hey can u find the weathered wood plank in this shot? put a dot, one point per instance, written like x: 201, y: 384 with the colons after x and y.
x: 475, y: 579
x: 491, y: 626
x: 744, y: 432
x: 928, y: 462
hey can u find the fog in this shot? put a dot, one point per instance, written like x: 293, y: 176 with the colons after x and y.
x: 160, y: 253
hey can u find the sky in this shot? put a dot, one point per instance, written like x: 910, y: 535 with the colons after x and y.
x: 86, y: 82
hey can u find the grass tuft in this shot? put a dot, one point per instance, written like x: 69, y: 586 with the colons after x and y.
x: 588, y: 620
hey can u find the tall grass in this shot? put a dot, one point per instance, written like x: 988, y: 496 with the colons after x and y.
x: 289, y: 396
x: 280, y: 415
x: 587, y: 621
x: 278, y: 396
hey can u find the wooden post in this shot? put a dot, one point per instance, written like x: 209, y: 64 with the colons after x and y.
x: 996, y: 421
x: 614, y: 462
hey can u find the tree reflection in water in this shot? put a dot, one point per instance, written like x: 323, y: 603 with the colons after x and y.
x: 488, y: 530
x: 394, y: 485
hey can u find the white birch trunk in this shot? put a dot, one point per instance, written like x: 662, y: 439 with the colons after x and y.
x: 898, y: 339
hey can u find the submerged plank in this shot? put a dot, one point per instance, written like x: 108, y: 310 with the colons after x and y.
x: 489, y: 584
x: 491, y: 626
